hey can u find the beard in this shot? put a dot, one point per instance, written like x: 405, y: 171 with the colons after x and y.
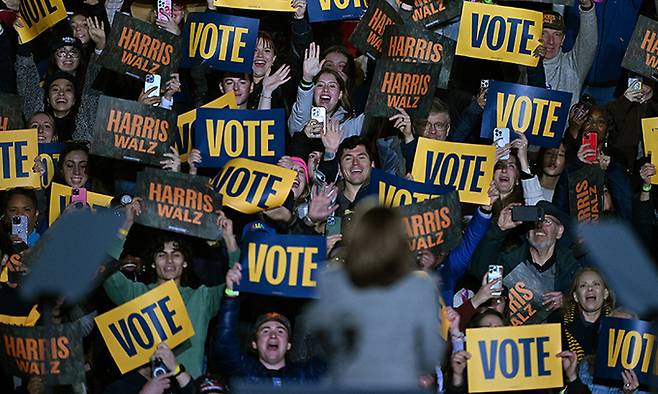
x: 540, y: 245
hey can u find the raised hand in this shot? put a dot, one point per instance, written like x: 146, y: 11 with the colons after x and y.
x: 145, y: 99
x: 322, y: 202
x: 300, y: 8
x: 96, y: 32
x: 505, y: 221
x: 569, y: 365
x: 172, y: 86
x: 312, y: 64
x: 168, y: 24
x: 172, y: 163
x: 272, y: 81
x: 403, y: 123
x: 234, y: 276
x: 193, y: 160
x: 332, y: 136
x: 646, y: 172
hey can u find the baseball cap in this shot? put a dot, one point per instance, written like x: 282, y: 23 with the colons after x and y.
x: 273, y: 316
x: 65, y: 41
x: 59, y: 75
x: 553, y: 20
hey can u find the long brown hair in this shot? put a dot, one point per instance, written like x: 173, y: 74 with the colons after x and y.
x: 377, y: 251
x: 345, y: 101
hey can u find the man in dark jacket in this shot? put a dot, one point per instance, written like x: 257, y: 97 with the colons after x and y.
x: 551, y: 261
x: 271, y: 343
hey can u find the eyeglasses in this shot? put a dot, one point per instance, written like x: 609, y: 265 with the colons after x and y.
x: 439, y: 126
x: 64, y: 53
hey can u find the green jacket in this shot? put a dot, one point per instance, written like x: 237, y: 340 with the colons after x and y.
x: 202, y: 305
x: 490, y: 251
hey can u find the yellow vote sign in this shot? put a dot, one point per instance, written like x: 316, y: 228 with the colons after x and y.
x: 264, y: 5
x: 468, y: 168
x: 650, y: 142
x: 133, y: 330
x: 18, y: 148
x: 494, y: 32
x: 514, y: 358
x: 37, y: 16
x: 250, y: 186
x: 60, y: 197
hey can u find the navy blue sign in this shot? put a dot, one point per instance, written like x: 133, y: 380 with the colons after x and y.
x: 626, y: 344
x: 540, y: 114
x: 394, y: 191
x: 224, y: 134
x: 223, y: 42
x: 283, y: 265
x: 333, y: 10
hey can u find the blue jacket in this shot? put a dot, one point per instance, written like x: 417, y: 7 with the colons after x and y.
x: 454, y: 268
x: 615, y: 21
x: 236, y: 364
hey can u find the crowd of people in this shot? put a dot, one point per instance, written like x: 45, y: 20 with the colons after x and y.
x: 376, y: 322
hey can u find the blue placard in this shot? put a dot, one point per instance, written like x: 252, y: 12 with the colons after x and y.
x: 224, y: 134
x: 540, y: 114
x: 394, y: 191
x: 282, y: 265
x: 223, y: 42
x: 334, y: 10
x: 626, y: 344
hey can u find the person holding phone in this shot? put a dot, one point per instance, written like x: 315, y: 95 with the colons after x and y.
x: 322, y: 87
x: 552, y: 262
x: 20, y: 203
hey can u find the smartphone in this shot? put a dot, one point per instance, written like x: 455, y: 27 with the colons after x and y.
x: 495, y: 272
x: 583, y: 106
x: 158, y: 367
x: 150, y: 81
x: 334, y: 225
x: 319, y: 114
x: 526, y: 213
x: 165, y: 7
x: 501, y: 138
x: 19, y: 227
x: 79, y: 195
x: 484, y: 84
x: 590, y: 138
x: 634, y: 84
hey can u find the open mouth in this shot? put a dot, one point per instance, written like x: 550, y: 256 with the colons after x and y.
x: 540, y: 234
x: 259, y: 63
x: 325, y: 99
x: 590, y: 298
x: 61, y: 100
x: 41, y: 138
x: 272, y: 346
x: 76, y: 180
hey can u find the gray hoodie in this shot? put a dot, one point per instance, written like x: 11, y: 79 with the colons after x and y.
x: 567, y: 71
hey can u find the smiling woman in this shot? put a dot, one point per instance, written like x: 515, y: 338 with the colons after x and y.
x: 588, y: 300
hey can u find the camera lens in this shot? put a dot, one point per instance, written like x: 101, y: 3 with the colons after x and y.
x: 16, y: 220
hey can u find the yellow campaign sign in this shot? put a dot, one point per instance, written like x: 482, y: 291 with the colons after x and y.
x: 186, y: 121
x: 37, y: 16
x: 60, y: 197
x: 494, y: 32
x: 514, y: 358
x: 468, y: 168
x: 18, y: 149
x: 263, y: 5
x: 650, y: 142
x: 133, y: 330
x: 250, y: 186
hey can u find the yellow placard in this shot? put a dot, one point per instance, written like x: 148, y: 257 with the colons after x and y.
x: 514, y: 358
x: 186, y: 121
x: 466, y: 167
x: 250, y: 186
x: 60, y: 197
x: 18, y: 148
x: 494, y: 32
x: 133, y: 330
x: 37, y: 16
x: 650, y: 142
x: 263, y: 5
